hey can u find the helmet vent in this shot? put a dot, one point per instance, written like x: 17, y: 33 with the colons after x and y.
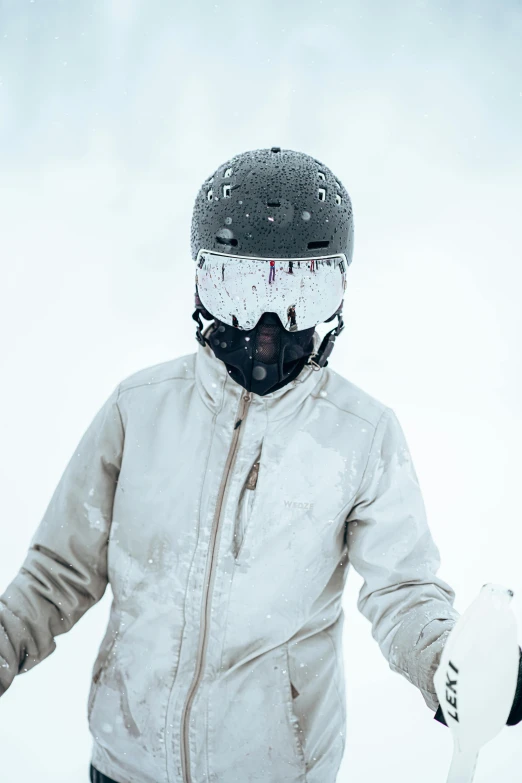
x: 210, y: 195
x: 228, y: 173
x: 338, y: 199
x: 226, y: 191
x: 226, y: 240
x: 318, y: 245
x: 321, y: 194
x: 321, y: 176
x: 273, y: 203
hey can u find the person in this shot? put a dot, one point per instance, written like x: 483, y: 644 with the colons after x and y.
x: 291, y: 322
x: 271, y: 272
x: 191, y: 493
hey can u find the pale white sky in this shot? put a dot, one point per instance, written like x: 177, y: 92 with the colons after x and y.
x: 112, y: 112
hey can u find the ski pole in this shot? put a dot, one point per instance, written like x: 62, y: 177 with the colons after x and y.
x: 477, y: 677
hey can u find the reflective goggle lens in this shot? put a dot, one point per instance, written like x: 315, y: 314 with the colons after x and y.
x: 301, y: 291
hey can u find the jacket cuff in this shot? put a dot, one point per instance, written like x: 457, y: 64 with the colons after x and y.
x: 421, y: 661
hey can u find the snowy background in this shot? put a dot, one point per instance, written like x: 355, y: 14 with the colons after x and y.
x: 112, y: 112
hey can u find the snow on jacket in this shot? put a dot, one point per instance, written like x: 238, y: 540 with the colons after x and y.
x: 225, y: 523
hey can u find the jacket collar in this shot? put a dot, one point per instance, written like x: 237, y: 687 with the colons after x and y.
x: 217, y: 388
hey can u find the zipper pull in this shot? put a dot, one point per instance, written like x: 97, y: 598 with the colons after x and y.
x: 246, y: 398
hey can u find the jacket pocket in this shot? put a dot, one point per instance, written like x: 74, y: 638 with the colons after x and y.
x: 317, y: 679
x: 99, y: 668
x: 92, y: 692
x: 250, y: 723
x: 244, y: 509
x: 295, y: 725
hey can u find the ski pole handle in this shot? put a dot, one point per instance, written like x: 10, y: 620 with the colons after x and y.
x: 477, y: 677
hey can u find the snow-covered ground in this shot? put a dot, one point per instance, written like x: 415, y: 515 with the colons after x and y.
x: 111, y: 115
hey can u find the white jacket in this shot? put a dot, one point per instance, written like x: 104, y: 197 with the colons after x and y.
x: 225, y: 523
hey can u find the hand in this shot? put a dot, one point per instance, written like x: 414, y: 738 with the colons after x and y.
x: 515, y: 716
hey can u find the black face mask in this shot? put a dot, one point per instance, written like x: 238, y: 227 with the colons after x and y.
x: 262, y: 359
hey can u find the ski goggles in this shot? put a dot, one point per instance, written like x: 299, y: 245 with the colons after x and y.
x: 303, y: 292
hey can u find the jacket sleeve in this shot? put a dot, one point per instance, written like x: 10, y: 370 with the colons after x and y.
x: 65, y: 570
x: 391, y: 547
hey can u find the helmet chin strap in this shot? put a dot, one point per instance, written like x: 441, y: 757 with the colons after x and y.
x: 320, y: 359
x: 196, y: 316
x: 317, y: 360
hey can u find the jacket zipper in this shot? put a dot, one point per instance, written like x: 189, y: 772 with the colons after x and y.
x: 244, y: 404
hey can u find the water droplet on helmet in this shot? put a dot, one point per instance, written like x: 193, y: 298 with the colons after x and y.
x: 306, y: 215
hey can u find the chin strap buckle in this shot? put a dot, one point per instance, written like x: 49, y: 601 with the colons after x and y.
x: 320, y: 359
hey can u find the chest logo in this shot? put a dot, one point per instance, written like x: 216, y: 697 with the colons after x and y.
x: 297, y: 504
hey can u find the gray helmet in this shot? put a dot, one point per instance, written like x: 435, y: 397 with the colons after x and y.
x: 273, y: 203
